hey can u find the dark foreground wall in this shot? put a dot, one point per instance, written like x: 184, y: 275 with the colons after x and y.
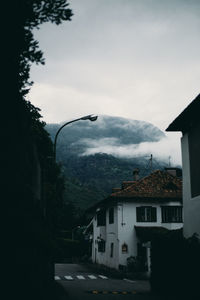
x: 175, y: 266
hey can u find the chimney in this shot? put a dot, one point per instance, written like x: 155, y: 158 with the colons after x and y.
x: 136, y: 174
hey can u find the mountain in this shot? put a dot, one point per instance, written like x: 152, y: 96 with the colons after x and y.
x: 97, y: 156
x: 80, y: 137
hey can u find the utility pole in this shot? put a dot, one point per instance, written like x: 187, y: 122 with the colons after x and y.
x: 151, y: 162
x: 169, y: 161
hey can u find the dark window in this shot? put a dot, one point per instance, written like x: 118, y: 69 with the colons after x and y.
x: 194, y: 158
x: 171, y: 214
x: 101, y: 246
x: 101, y: 217
x: 146, y: 214
x: 111, y: 215
x: 111, y: 249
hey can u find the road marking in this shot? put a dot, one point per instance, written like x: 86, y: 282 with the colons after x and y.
x: 103, y: 277
x: 92, y: 277
x: 80, y: 277
x: 129, y: 280
x: 112, y: 292
x: 68, y: 277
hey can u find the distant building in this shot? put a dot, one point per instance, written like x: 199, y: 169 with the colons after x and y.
x: 124, y: 223
x: 188, y: 122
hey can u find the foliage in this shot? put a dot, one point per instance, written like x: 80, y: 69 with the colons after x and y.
x: 32, y: 14
x: 134, y: 264
x: 70, y: 250
x: 81, y: 195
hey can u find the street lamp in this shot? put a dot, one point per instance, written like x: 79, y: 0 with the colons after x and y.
x: 89, y: 117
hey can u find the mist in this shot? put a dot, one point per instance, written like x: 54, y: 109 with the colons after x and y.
x: 168, y: 149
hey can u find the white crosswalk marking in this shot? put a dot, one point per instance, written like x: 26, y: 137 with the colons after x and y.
x: 92, y: 277
x: 68, y: 277
x: 103, y: 277
x: 80, y: 277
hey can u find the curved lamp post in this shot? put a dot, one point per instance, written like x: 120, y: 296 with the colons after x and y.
x: 89, y: 117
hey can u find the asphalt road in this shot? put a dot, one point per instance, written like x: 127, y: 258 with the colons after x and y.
x: 80, y: 282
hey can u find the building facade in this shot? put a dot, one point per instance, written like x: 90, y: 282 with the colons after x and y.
x: 188, y: 123
x: 125, y: 222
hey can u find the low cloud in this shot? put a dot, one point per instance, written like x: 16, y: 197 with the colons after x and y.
x: 167, y: 149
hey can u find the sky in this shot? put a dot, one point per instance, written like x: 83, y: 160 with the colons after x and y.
x: 137, y: 59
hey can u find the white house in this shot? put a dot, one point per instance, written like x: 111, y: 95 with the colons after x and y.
x: 124, y: 223
x: 188, y: 122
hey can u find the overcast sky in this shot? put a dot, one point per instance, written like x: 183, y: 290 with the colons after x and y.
x: 138, y: 59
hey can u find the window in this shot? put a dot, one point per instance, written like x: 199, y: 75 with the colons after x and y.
x: 171, y: 214
x: 111, y: 249
x: 101, y: 246
x: 101, y: 217
x: 111, y: 215
x: 194, y: 159
x: 146, y: 214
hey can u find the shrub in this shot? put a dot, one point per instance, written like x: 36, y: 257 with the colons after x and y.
x: 69, y: 250
x: 134, y: 264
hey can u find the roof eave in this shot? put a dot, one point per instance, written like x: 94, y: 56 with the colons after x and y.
x: 146, y: 198
x: 187, y: 118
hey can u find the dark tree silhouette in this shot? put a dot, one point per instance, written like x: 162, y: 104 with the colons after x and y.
x: 30, y: 178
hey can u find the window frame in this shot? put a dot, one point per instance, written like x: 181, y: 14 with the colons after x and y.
x: 112, y: 249
x: 170, y: 218
x: 101, y: 246
x: 142, y: 214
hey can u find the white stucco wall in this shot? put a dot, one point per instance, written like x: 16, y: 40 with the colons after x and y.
x: 122, y: 231
x: 127, y: 221
x: 109, y: 233
x: 191, y: 205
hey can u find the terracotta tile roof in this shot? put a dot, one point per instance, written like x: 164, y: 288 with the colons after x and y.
x: 159, y: 184
x: 126, y: 184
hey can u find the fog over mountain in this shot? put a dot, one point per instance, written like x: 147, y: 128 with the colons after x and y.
x: 117, y: 136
